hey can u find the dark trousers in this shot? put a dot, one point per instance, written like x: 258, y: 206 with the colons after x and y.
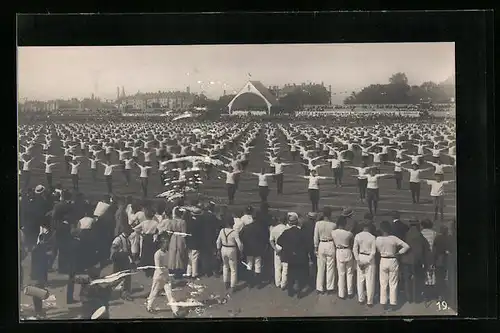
x: 412, y: 278
x: 441, y: 287
x: 415, y: 192
x: 314, y: 197
x: 109, y: 183
x: 74, y: 180
x: 372, y: 200
x: 294, y: 155
x: 279, y: 183
x: 70, y: 287
x: 48, y: 176
x: 398, y: 177
x: 231, y: 190
x: 37, y: 302
x: 439, y: 206
x: 337, y: 176
x: 297, y: 278
x: 362, y: 188
x: 263, y: 193
x: 144, y: 186
x: 312, y: 270
x: 94, y: 174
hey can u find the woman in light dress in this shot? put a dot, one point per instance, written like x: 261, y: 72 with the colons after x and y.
x: 148, y: 230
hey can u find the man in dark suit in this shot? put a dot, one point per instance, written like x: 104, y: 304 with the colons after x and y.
x: 255, y: 244
x: 308, y: 229
x: 294, y: 253
x: 61, y: 216
x: 211, y: 227
x: 412, y: 262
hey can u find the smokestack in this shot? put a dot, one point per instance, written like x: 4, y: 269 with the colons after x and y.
x: 224, y: 93
x: 117, y: 92
x: 330, y: 90
x: 123, y: 91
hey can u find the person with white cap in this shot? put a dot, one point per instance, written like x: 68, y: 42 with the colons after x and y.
x: 325, y: 252
x: 280, y: 268
x: 364, y: 251
x: 390, y: 248
x: 342, y: 240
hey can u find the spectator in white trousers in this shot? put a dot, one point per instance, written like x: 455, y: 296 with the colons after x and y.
x: 325, y: 252
x: 161, y: 278
x: 364, y: 251
x: 280, y: 268
x: 345, y: 262
x: 228, y: 244
x: 389, y: 247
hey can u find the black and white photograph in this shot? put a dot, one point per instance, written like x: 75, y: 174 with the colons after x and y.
x: 237, y: 180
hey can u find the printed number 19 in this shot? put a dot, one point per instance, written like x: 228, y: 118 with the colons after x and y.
x: 442, y: 305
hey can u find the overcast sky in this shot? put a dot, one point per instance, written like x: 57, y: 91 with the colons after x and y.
x: 64, y: 72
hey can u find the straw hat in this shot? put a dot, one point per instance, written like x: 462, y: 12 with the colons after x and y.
x: 98, y: 313
x: 39, y: 189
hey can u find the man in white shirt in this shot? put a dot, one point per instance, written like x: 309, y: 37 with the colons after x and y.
x: 280, y: 268
x: 278, y: 174
x: 398, y: 171
x: 313, y: 188
x: 161, y: 279
x: 437, y: 193
x: 26, y: 171
x: 362, y: 171
x: 389, y: 247
x: 144, y: 178
x: 263, y: 184
x: 74, y: 174
x: 231, y: 184
x: 438, y: 167
x: 325, y: 252
x: 342, y: 239
x: 128, y: 163
x: 415, y: 181
x: 93, y: 167
x: 108, y: 170
x: 337, y: 169
x: 372, y: 189
x: 364, y: 250
x: 48, y: 173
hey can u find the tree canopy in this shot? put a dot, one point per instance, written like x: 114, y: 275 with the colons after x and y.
x: 398, y: 91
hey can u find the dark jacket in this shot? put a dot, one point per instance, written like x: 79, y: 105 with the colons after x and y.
x: 295, y: 251
x: 211, y: 227
x: 40, y: 262
x: 399, y: 229
x: 254, y: 239
x: 308, y: 230
x: 194, y: 227
x: 441, y: 245
x: 418, y: 248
